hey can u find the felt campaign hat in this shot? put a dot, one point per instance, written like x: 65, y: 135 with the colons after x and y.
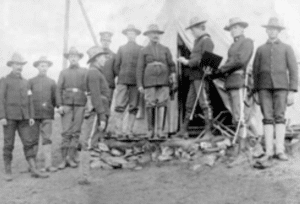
x: 195, y: 21
x: 274, y: 23
x: 42, y: 59
x: 153, y: 28
x: 16, y: 58
x: 235, y: 21
x: 73, y: 51
x: 131, y: 27
x: 95, y: 51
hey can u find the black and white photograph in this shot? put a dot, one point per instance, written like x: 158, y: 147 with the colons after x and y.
x: 149, y: 102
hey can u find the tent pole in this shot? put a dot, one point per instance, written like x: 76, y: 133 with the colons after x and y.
x: 87, y: 20
x: 66, y: 32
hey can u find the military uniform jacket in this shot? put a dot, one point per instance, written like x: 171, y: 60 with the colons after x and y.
x: 275, y: 67
x: 98, y: 90
x: 201, y: 44
x: 43, y: 96
x: 154, y: 67
x: 15, y: 98
x: 71, y: 87
x: 126, y: 62
x: 239, y: 55
x: 108, y: 69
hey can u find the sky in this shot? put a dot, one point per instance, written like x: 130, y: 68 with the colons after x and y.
x: 36, y: 27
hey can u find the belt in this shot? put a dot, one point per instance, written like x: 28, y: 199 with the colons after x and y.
x: 156, y: 63
x: 74, y: 90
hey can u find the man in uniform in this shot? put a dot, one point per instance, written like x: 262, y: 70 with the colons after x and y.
x: 155, y: 70
x: 275, y: 73
x: 127, y: 91
x: 202, y: 43
x: 16, y: 114
x: 235, y: 70
x: 44, y: 100
x: 71, y: 99
x: 108, y: 67
x: 97, y: 110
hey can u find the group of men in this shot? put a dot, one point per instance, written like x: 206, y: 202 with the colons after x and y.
x: 83, y: 96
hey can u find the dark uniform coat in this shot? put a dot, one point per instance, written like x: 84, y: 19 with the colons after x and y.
x: 154, y: 67
x: 15, y: 98
x: 275, y: 67
x: 71, y: 87
x: 108, y: 69
x: 201, y: 44
x: 98, y: 90
x: 239, y: 55
x: 44, y: 96
x: 126, y: 62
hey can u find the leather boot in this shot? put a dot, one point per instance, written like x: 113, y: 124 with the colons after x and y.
x: 119, y: 124
x: 280, y: 138
x: 8, y: 173
x: 71, y: 156
x: 129, y: 126
x: 84, y: 168
x: 183, y: 132
x: 34, y: 171
x: 150, y: 122
x: 48, y: 159
x: 269, y: 139
x: 208, y: 135
x: 64, y: 153
x: 160, y: 122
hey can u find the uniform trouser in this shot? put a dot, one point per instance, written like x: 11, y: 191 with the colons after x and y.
x: 237, y: 105
x: 71, y: 125
x: 43, y: 128
x: 29, y: 141
x: 127, y: 95
x: 273, y: 105
x: 156, y: 96
x: 203, y: 100
x: 90, y: 132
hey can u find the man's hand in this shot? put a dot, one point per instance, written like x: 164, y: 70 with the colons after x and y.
x: 102, y: 125
x: 291, y: 97
x: 256, y: 98
x: 3, y: 121
x: 208, y: 70
x: 60, y: 110
x: 183, y: 60
x: 172, y: 78
x: 31, y: 122
x: 141, y: 89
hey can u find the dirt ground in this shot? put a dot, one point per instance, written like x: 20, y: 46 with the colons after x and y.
x: 172, y: 182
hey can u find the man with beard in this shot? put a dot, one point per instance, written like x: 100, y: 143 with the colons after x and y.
x: 155, y: 70
x: 97, y: 110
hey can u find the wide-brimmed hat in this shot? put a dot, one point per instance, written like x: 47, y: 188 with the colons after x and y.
x: 95, y: 51
x: 153, y: 28
x: 42, y: 59
x: 195, y: 21
x: 73, y: 51
x: 236, y: 21
x: 131, y: 27
x: 16, y: 58
x: 274, y: 23
x: 106, y: 35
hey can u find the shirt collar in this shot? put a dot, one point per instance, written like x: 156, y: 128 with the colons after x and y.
x: 277, y: 41
x: 202, y: 36
x: 237, y: 38
x: 76, y: 66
